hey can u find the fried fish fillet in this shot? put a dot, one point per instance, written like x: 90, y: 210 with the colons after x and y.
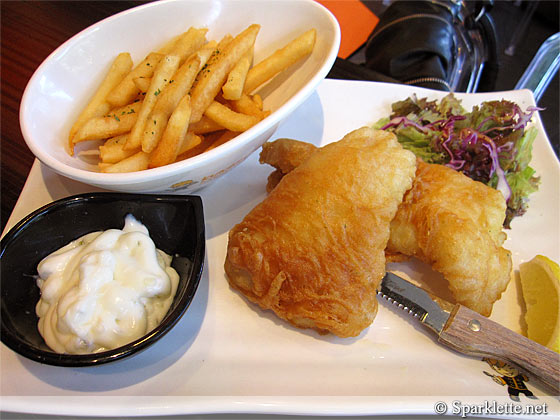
x: 313, y: 250
x: 446, y: 220
x: 285, y: 155
x: 455, y: 224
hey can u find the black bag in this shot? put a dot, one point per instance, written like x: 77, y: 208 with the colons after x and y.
x: 435, y: 44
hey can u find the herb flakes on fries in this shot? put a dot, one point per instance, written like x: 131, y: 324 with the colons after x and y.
x: 188, y: 97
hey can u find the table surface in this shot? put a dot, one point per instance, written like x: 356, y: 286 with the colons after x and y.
x: 30, y: 32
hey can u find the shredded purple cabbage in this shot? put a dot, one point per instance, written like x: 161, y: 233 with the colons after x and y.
x: 405, y: 122
x: 459, y: 144
x: 492, y: 143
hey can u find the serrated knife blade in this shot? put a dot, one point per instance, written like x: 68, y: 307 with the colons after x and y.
x: 415, y: 300
x: 473, y: 334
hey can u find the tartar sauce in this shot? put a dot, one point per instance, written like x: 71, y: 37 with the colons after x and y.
x: 104, y: 290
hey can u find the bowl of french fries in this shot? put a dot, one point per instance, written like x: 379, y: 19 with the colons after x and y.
x: 168, y: 96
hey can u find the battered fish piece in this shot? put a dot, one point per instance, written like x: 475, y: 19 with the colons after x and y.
x: 446, y: 220
x: 313, y: 250
x: 284, y: 155
x: 455, y: 224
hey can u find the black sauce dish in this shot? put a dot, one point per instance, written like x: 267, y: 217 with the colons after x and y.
x: 175, y: 223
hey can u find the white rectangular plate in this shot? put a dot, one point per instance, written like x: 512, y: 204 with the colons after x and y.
x: 226, y: 355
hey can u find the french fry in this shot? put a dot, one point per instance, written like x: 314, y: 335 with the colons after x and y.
x: 190, y: 141
x: 208, y: 50
x: 162, y: 74
x: 220, y: 47
x: 153, y: 130
x: 185, y: 44
x: 119, y: 121
x: 142, y: 84
x: 127, y: 89
x: 169, y: 99
x: 103, y: 166
x: 280, y: 60
x: 233, y: 88
x: 213, y: 76
x: 178, y: 86
x: 247, y: 105
x: 199, y: 148
x: 209, y: 54
x: 136, y: 162
x: 190, y: 146
x: 257, y: 100
x: 223, y: 138
x: 188, y: 43
x: 181, y: 82
x: 205, y: 125
x: 167, y: 148
x: 98, y: 105
x: 205, y: 52
x: 112, y: 151
x: 130, y: 108
x: 231, y: 120
x: 166, y: 48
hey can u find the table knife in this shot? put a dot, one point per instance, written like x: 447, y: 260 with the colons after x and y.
x: 468, y: 332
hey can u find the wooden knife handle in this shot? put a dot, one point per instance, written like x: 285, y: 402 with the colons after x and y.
x: 471, y: 333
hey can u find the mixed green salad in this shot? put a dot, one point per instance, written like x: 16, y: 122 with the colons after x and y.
x: 491, y: 144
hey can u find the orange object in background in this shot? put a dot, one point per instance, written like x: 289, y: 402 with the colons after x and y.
x: 356, y: 23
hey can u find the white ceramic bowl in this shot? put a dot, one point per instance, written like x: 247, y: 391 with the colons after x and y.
x: 65, y: 81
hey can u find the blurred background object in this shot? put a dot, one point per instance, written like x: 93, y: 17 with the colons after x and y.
x: 357, y: 20
x: 543, y: 68
x: 506, y: 40
x: 446, y: 45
